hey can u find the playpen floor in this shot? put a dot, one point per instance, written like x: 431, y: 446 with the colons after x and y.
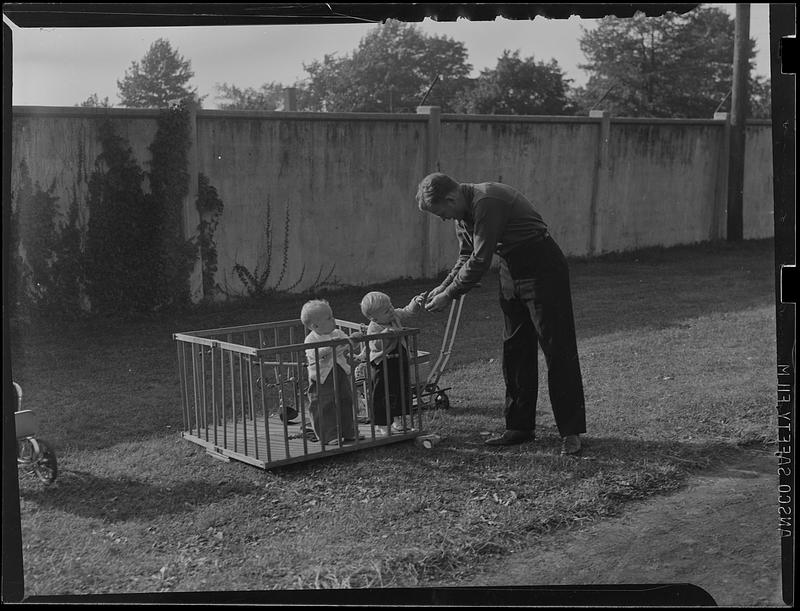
x: 249, y: 444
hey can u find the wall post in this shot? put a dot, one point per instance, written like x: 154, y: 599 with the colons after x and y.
x: 719, y: 215
x: 427, y: 250
x: 600, y: 168
x: 290, y: 99
x: 191, y: 216
x: 739, y: 104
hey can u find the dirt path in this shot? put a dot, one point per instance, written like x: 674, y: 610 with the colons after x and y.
x: 718, y: 533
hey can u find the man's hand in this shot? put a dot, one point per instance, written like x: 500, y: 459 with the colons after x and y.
x: 433, y: 292
x: 437, y: 303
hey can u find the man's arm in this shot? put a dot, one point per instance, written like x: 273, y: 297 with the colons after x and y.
x: 464, y: 252
x: 490, y: 222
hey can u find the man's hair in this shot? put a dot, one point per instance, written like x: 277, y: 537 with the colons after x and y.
x: 374, y: 300
x: 433, y: 189
x: 310, y: 309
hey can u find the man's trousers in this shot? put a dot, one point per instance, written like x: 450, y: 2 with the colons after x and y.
x: 537, y: 306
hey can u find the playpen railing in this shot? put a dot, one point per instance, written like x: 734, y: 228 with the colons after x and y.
x: 239, y: 390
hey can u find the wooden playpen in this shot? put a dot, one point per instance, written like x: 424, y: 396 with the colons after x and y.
x: 243, y: 392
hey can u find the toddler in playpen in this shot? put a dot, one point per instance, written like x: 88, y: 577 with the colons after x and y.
x: 390, y: 355
x: 328, y: 401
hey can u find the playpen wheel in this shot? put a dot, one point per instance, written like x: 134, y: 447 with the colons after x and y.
x: 441, y: 401
x: 46, y: 467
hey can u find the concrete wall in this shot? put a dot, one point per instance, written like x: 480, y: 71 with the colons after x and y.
x: 60, y: 146
x: 759, y: 204
x: 347, y: 181
x: 551, y: 160
x: 347, y: 185
x: 658, y: 184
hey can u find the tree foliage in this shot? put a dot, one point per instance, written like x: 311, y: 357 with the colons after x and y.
x: 666, y: 66
x: 121, y: 232
x: 267, y: 97
x: 49, y: 276
x: 159, y: 80
x: 137, y: 259
x: 169, y: 186
x: 518, y: 87
x: 94, y: 101
x: 390, y: 71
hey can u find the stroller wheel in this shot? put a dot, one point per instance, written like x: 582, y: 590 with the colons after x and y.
x: 288, y: 415
x: 441, y: 401
x: 25, y: 452
x: 46, y: 467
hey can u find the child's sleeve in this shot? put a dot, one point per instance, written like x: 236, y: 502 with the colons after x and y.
x: 375, y: 345
x: 311, y: 352
x: 410, y: 311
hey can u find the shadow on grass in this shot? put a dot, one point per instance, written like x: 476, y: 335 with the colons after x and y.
x: 119, y: 499
x: 656, y: 288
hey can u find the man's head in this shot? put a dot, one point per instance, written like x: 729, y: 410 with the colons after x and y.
x: 317, y: 315
x: 439, y: 194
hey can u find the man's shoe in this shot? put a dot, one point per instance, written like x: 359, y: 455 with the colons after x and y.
x: 509, y: 438
x: 571, y: 445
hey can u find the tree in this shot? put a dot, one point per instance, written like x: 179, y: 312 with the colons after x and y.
x: 666, y: 66
x: 760, y: 98
x: 94, y: 101
x: 518, y: 87
x: 390, y: 71
x: 268, y: 97
x: 159, y: 81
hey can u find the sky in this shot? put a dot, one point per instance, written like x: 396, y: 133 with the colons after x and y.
x: 65, y: 66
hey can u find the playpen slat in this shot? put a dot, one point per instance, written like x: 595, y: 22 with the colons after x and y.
x: 252, y: 401
x: 243, y: 420
x: 223, y: 417
x: 214, y: 394
x: 264, y: 410
x: 183, y: 381
x: 194, y: 388
x: 284, y: 420
x: 203, y: 388
x: 233, y: 403
x: 298, y: 393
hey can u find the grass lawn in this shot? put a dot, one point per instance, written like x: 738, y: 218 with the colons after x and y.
x: 677, y: 349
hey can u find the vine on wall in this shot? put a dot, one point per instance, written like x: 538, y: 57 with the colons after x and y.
x: 45, y: 268
x: 169, y: 186
x: 137, y: 257
x: 210, y: 207
x: 132, y: 255
x: 121, y: 232
x: 255, y: 282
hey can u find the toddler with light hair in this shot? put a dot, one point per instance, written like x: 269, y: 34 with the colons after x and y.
x: 389, y: 360
x: 328, y: 401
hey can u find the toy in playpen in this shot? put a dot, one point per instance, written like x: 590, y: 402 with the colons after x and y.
x: 243, y: 390
x: 34, y: 454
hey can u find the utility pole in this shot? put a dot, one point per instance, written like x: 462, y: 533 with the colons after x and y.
x: 739, y: 111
